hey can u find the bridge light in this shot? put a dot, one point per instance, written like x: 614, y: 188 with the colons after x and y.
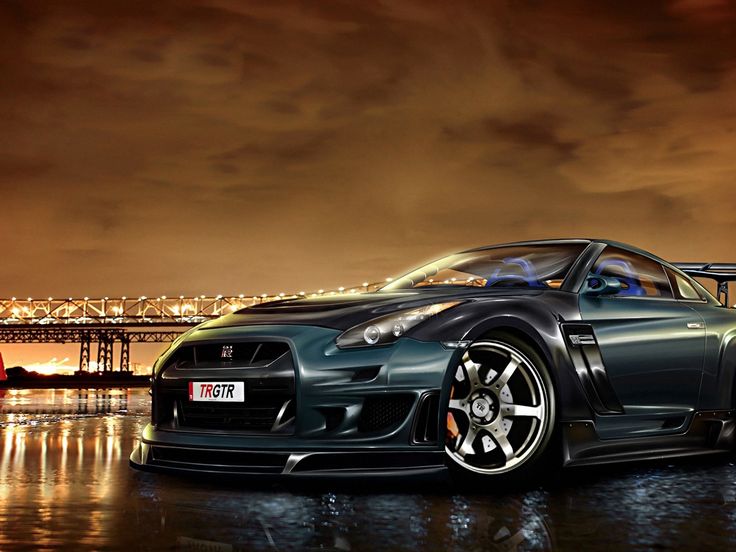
x: 302, y: 293
x: 143, y: 298
x: 163, y: 297
x: 86, y: 298
x: 241, y: 295
x: 107, y: 298
x: 365, y: 284
x: 13, y: 299
x: 201, y: 296
x: 320, y: 291
x: 341, y: 289
x: 30, y: 299
x: 51, y: 298
x: 181, y: 297
x: 219, y: 297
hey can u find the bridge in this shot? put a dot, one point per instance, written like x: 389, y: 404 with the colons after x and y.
x: 108, y: 321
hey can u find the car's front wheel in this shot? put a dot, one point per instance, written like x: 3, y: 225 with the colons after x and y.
x: 501, y: 411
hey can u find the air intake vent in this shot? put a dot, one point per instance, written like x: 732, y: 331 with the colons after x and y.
x: 381, y: 413
x: 426, y: 422
x: 366, y: 374
x: 220, y: 460
x: 258, y: 414
x: 226, y: 355
x: 333, y: 417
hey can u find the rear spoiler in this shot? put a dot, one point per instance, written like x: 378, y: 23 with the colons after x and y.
x: 722, y: 273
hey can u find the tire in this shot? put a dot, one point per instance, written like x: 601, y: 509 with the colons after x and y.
x: 501, y: 415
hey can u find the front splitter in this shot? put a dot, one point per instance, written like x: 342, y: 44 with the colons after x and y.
x: 313, y: 464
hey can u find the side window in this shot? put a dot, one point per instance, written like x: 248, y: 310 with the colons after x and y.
x: 683, y: 288
x: 639, y: 276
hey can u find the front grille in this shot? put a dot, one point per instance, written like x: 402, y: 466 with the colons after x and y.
x: 256, y: 414
x: 228, y: 355
x: 381, y: 413
x: 265, y: 368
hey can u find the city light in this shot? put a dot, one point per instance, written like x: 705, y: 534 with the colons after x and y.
x: 175, y: 310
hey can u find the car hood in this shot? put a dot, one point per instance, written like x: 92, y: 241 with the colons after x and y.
x: 347, y: 310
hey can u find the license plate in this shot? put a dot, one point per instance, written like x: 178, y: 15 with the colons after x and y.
x: 217, y: 391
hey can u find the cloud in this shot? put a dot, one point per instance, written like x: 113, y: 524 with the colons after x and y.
x: 222, y: 146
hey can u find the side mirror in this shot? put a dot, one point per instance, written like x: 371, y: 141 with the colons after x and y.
x: 602, y: 285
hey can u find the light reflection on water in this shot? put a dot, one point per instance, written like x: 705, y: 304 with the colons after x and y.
x: 17, y: 404
x: 65, y: 480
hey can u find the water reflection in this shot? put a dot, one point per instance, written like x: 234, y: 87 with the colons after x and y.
x: 27, y: 403
x: 64, y: 480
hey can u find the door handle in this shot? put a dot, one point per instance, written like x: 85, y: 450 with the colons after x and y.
x: 695, y: 326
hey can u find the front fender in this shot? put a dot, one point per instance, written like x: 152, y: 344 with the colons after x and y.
x: 535, y: 318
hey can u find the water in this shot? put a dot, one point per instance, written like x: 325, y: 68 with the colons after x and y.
x: 65, y: 482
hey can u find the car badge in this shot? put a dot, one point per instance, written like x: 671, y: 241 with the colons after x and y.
x: 227, y: 352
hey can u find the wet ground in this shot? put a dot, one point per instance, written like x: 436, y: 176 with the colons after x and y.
x: 65, y: 482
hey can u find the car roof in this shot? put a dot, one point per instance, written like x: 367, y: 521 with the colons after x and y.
x: 563, y: 241
x: 535, y: 242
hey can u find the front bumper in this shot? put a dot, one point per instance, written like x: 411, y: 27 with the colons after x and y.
x: 325, y: 381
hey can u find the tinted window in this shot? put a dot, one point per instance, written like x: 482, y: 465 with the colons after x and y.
x: 639, y: 276
x: 683, y: 288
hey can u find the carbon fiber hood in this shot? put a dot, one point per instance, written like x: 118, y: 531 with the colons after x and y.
x: 345, y: 311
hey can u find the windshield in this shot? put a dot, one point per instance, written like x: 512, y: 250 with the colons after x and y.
x: 542, y: 266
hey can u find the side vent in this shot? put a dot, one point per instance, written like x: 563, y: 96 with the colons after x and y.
x: 426, y: 422
x: 586, y: 357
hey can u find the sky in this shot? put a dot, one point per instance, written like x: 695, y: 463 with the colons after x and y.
x: 221, y: 146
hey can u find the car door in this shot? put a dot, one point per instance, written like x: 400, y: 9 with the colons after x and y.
x: 651, y: 345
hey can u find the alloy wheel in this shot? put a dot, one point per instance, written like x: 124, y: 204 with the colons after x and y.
x: 498, y: 409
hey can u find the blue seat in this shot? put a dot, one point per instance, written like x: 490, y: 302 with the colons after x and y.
x: 529, y: 275
x: 634, y: 287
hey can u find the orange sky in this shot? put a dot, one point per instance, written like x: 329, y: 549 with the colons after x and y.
x: 218, y: 146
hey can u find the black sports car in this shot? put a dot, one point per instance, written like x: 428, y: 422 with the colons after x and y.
x: 492, y: 362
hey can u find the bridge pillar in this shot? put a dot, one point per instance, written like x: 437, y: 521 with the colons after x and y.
x: 104, y: 353
x: 124, y: 354
x: 84, y: 354
x: 108, y: 359
x: 101, y: 352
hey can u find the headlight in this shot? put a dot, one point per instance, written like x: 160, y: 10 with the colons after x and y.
x: 389, y: 328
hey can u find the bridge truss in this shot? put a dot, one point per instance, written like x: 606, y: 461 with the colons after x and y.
x: 110, y: 321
